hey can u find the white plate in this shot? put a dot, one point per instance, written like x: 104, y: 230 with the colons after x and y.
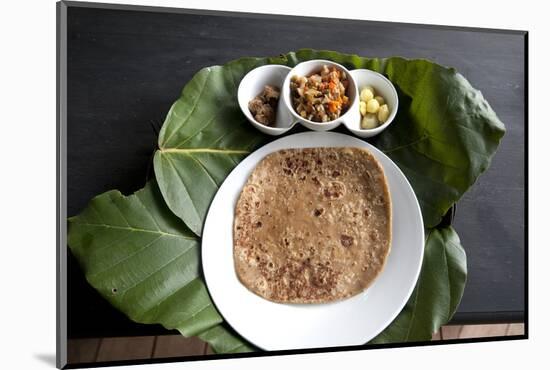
x: 353, y: 321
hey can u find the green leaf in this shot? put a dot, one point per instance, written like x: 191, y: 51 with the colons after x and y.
x: 437, y: 293
x: 144, y: 260
x: 224, y: 340
x: 443, y: 137
x: 204, y: 136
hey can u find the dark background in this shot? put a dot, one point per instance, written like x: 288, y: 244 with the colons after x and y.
x: 125, y: 68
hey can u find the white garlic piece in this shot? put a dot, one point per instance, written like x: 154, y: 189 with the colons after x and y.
x: 383, y: 113
x: 369, y: 121
x: 366, y: 94
x: 363, y: 108
x: 372, y: 106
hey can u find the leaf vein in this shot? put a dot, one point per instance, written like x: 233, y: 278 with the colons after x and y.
x: 192, y: 110
x: 201, y: 129
x: 116, y: 206
x: 157, y: 270
x: 126, y: 258
x: 140, y: 201
x: 399, y: 147
x: 204, y: 150
x: 131, y: 229
x: 184, y: 185
x: 201, y: 165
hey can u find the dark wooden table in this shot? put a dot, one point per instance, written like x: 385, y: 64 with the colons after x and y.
x: 126, y: 67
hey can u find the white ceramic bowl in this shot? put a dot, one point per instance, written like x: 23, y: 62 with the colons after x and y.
x: 253, y: 84
x: 314, y: 66
x: 384, y: 88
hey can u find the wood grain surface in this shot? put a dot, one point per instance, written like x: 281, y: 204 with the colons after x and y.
x: 166, y: 346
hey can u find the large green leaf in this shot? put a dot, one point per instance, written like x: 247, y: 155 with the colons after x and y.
x: 145, y: 262
x: 443, y: 137
x: 224, y: 340
x: 437, y: 292
x: 203, y: 137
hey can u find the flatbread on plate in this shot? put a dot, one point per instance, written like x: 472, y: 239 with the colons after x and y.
x: 312, y: 225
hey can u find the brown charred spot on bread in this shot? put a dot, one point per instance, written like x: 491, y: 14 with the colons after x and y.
x: 379, y: 200
x: 323, y: 278
x: 335, y: 173
x: 334, y: 190
x: 318, y: 212
x: 291, y: 163
x: 258, y: 224
x: 346, y: 240
x: 373, y: 235
x: 316, y: 181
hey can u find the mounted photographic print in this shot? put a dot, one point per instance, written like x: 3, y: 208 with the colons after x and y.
x: 240, y: 185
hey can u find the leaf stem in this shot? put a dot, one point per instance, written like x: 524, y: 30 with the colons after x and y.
x: 204, y: 150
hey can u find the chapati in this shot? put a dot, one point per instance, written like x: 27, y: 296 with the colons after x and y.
x: 312, y: 225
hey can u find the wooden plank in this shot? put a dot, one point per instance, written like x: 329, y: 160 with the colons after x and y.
x: 209, y: 351
x: 451, y: 331
x: 178, y: 345
x: 483, y: 331
x: 515, y: 329
x: 125, y: 348
x: 436, y: 335
x: 82, y: 350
